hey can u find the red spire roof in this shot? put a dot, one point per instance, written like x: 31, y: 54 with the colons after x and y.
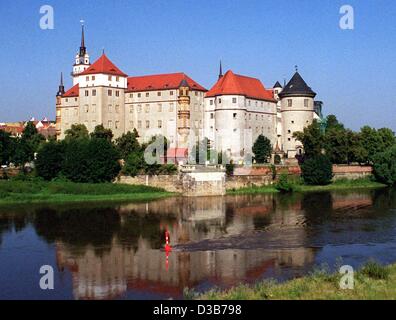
x: 104, y: 65
x: 73, y: 92
x: 161, y: 82
x: 235, y: 84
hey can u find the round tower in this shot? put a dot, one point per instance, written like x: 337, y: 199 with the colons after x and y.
x: 297, y: 109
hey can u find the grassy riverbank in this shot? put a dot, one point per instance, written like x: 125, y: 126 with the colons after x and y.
x: 371, y: 282
x: 35, y: 191
x: 342, y: 184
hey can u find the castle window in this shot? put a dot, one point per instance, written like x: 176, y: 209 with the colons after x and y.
x: 306, y: 102
x: 110, y: 109
x: 234, y: 115
x: 147, y: 124
x: 131, y: 95
x: 117, y: 93
x: 249, y: 102
x: 288, y: 131
x: 75, y: 99
x: 94, y: 92
x: 67, y: 100
x: 147, y: 108
x: 211, y: 102
x: 219, y: 100
x: 139, y: 108
x: 234, y: 100
x: 139, y: 124
x: 147, y: 94
x: 131, y: 109
x: 159, y: 94
x: 109, y: 93
x: 110, y: 78
x: 276, y: 91
x: 86, y: 93
x: 292, y: 121
x: 110, y: 124
x: 117, y: 124
x: 139, y: 95
x: 159, y: 124
x: 288, y: 139
x: 256, y: 116
x: 76, y: 111
x: 117, y: 109
x: 211, y: 116
x: 171, y: 107
x: 171, y: 93
x: 289, y: 102
x: 93, y: 78
x: 117, y: 79
x: 87, y: 78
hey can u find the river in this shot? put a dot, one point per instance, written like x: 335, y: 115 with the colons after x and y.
x: 100, y: 251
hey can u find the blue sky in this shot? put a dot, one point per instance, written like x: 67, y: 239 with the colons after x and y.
x: 353, y: 71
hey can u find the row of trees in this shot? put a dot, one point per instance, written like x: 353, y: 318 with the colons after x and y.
x: 334, y: 144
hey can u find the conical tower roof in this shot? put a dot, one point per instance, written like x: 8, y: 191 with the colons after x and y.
x: 297, y: 87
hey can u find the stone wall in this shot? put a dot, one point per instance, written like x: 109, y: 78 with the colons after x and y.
x: 351, y: 172
x: 170, y: 183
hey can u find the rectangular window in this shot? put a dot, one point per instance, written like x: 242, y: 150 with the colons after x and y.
x: 109, y: 93
x: 159, y: 107
x: 131, y: 95
x: 131, y: 109
x: 110, y: 124
x: 110, y: 109
x: 117, y: 93
x: 211, y: 102
x: 117, y: 124
x: 139, y: 108
x: 139, y: 95
x: 234, y: 115
x: 159, y: 124
x: 110, y: 78
x: 211, y: 116
x: 289, y: 103
x: 86, y: 108
x: 159, y: 94
x: 93, y: 108
x: 139, y: 124
x: 75, y: 111
x: 147, y: 94
x: 93, y: 78
x: 117, y: 109
x: 171, y: 107
x: 234, y: 100
x: 86, y: 93
x: 147, y: 124
x: 219, y: 100
x: 147, y: 107
x: 117, y: 79
x: 306, y: 103
x: 171, y: 93
x: 94, y: 92
x: 87, y: 78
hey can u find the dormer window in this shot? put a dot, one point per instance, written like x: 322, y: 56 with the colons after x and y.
x: 93, y: 78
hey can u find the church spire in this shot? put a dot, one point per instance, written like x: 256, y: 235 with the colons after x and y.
x: 83, y: 49
x: 61, y: 89
x: 221, y: 71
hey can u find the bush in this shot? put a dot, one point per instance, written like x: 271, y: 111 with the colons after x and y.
x: 317, y: 170
x: 50, y: 160
x: 94, y: 160
x: 284, y: 185
x: 374, y: 270
x: 134, y: 164
x: 384, y: 165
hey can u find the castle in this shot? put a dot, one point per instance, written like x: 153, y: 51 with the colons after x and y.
x: 232, y: 114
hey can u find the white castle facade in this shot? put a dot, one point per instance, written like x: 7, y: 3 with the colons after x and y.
x: 232, y: 114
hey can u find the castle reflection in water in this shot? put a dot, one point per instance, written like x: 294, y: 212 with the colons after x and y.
x: 129, y: 256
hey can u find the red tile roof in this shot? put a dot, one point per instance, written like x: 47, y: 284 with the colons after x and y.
x: 235, y: 84
x: 73, y: 92
x: 161, y: 82
x: 104, y: 65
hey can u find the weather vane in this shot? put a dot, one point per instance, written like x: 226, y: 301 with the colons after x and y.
x: 296, y: 66
x: 82, y: 22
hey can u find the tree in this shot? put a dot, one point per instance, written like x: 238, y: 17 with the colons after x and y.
x: 262, y: 149
x: 94, y: 161
x: 127, y: 144
x: 134, y: 163
x: 50, y: 159
x: 27, y: 145
x: 312, y: 139
x: 317, y: 170
x: 384, y: 166
x: 77, y: 131
x: 7, y: 147
x: 100, y: 132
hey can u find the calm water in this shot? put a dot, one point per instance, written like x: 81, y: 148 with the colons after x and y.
x: 115, y: 252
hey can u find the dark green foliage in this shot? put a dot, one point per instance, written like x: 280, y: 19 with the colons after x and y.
x: 77, y: 131
x: 284, y: 185
x: 49, y: 160
x: 134, y: 164
x: 317, y: 170
x: 312, y: 139
x: 262, y: 149
x: 94, y: 160
x: 100, y: 132
x: 385, y: 166
x: 127, y: 144
x: 7, y: 147
x: 374, y: 270
x: 27, y: 145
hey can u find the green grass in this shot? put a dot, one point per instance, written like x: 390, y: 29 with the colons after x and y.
x: 372, y: 282
x: 37, y: 191
x: 298, y: 186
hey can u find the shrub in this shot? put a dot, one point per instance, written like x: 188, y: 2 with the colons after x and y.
x: 317, y: 170
x: 284, y: 185
x: 94, y: 160
x: 49, y: 160
x: 134, y: 164
x: 385, y: 166
x: 374, y: 270
x: 262, y: 149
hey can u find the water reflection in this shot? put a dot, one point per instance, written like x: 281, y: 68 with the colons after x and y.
x: 117, y: 251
